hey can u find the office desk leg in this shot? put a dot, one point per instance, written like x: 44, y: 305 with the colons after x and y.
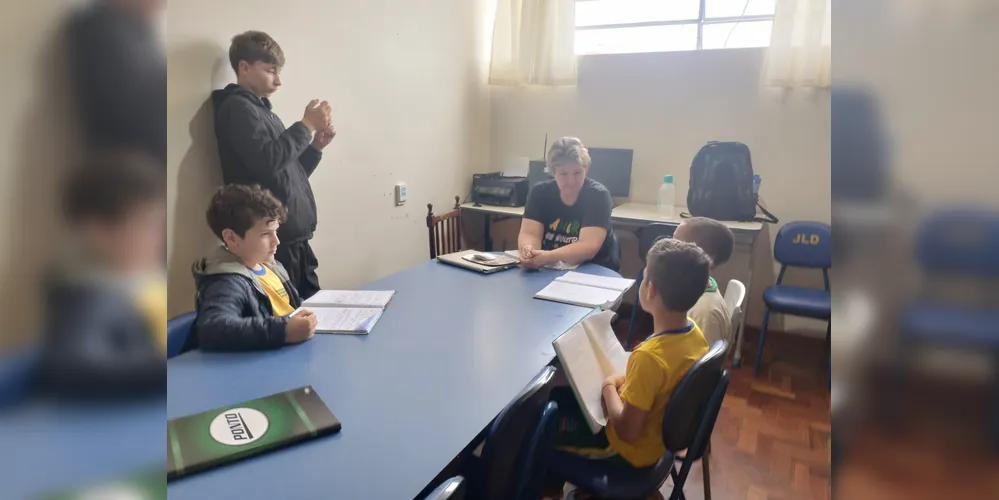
x: 737, y: 356
x: 487, y: 238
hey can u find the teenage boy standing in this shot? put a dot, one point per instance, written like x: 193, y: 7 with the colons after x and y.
x: 256, y: 148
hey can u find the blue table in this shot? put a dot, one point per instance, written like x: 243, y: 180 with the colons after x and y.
x: 46, y: 447
x: 451, y: 350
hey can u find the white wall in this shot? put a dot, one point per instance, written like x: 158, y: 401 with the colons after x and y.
x: 407, y: 84
x: 665, y: 106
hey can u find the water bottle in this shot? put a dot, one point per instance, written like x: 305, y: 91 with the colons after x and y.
x: 756, y: 185
x: 667, y: 196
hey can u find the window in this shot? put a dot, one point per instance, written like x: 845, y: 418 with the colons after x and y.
x: 628, y: 26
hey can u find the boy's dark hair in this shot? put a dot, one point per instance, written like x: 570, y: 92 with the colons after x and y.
x: 239, y: 207
x: 679, y: 271
x: 715, y: 238
x: 253, y: 47
x: 106, y: 187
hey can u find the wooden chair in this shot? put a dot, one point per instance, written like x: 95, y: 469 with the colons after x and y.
x: 444, y: 230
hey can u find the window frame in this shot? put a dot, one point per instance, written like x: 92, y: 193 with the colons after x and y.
x: 700, y: 20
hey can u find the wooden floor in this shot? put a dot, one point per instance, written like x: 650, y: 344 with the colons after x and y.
x: 772, y: 437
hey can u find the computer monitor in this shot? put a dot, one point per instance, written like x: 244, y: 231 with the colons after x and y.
x: 608, y: 166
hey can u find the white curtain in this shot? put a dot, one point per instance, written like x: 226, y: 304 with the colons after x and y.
x: 800, y: 51
x: 533, y: 43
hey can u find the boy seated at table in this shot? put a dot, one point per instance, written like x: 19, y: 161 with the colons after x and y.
x: 244, y: 298
x: 635, y: 402
x: 710, y: 313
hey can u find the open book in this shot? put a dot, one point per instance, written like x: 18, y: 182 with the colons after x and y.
x: 590, y: 352
x: 586, y: 290
x: 347, y: 311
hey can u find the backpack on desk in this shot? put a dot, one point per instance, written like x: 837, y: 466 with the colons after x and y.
x: 721, y: 184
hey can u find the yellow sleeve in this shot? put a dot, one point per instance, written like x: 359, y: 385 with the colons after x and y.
x: 643, y: 380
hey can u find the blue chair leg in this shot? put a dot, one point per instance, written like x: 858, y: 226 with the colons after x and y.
x: 634, y: 309
x: 763, y: 338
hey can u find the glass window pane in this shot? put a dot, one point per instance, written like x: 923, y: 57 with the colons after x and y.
x: 603, y: 12
x: 737, y: 8
x: 643, y: 39
x: 737, y: 35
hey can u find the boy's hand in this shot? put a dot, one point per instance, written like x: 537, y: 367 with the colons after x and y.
x: 538, y: 259
x: 318, y: 115
x: 617, y: 380
x: 300, y: 327
x: 324, y: 137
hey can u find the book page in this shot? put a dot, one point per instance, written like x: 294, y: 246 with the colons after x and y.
x: 346, y: 319
x: 613, y: 357
x: 619, y: 284
x: 349, y: 298
x: 582, y: 367
x: 585, y: 296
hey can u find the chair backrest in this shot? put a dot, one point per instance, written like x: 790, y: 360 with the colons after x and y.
x: 444, y: 230
x: 536, y: 454
x: 18, y: 375
x: 649, y: 235
x: 735, y: 295
x: 498, y: 478
x: 804, y: 244
x: 452, y: 489
x: 178, y: 331
x: 689, y: 404
x: 959, y: 241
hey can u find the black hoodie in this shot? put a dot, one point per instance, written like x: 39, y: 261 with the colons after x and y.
x: 255, y: 148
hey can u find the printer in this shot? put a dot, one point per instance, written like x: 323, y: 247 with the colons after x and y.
x: 498, y: 190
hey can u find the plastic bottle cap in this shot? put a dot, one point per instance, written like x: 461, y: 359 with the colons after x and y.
x: 668, y: 179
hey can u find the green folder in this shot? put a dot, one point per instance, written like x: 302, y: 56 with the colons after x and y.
x: 230, y: 433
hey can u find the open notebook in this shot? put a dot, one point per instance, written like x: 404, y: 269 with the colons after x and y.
x: 347, y: 311
x: 590, y: 352
x: 586, y: 290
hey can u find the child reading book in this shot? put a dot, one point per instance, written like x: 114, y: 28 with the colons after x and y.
x: 245, y: 299
x: 635, y: 401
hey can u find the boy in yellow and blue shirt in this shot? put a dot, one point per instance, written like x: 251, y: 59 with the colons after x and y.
x: 245, y: 298
x: 675, y: 274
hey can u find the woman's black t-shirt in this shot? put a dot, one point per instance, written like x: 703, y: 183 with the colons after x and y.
x: 563, y: 223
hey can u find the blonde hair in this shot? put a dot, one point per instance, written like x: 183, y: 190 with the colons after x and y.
x: 565, y: 151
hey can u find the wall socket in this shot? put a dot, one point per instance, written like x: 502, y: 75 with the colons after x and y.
x: 400, y: 194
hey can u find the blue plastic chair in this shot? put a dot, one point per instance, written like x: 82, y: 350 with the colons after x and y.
x: 962, y: 243
x: 18, y: 374
x: 511, y: 440
x: 537, y: 453
x: 687, y: 425
x: 452, y: 489
x: 799, y: 244
x: 178, y: 330
x: 647, y: 236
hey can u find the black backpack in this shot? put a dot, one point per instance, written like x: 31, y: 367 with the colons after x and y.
x: 721, y: 184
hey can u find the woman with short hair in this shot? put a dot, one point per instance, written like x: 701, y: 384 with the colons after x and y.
x: 568, y: 218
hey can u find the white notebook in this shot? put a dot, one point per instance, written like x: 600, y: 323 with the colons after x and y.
x: 350, y: 298
x: 586, y: 290
x: 619, y: 284
x: 590, y: 352
x: 347, y: 311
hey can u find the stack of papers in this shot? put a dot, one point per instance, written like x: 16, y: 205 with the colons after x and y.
x: 346, y: 311
x: 586, y: 290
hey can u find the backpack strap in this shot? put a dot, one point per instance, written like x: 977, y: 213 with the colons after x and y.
x: 767, y: 216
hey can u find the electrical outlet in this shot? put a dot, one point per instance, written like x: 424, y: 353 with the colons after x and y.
x: 400, y: 194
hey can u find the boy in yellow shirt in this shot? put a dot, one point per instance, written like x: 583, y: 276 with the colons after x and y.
x: 675, y: 274
x: 245, y: 298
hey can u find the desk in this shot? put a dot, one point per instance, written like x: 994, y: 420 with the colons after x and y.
x: 642, y: 214
x: 48, y: 447
x: 451, y: 350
